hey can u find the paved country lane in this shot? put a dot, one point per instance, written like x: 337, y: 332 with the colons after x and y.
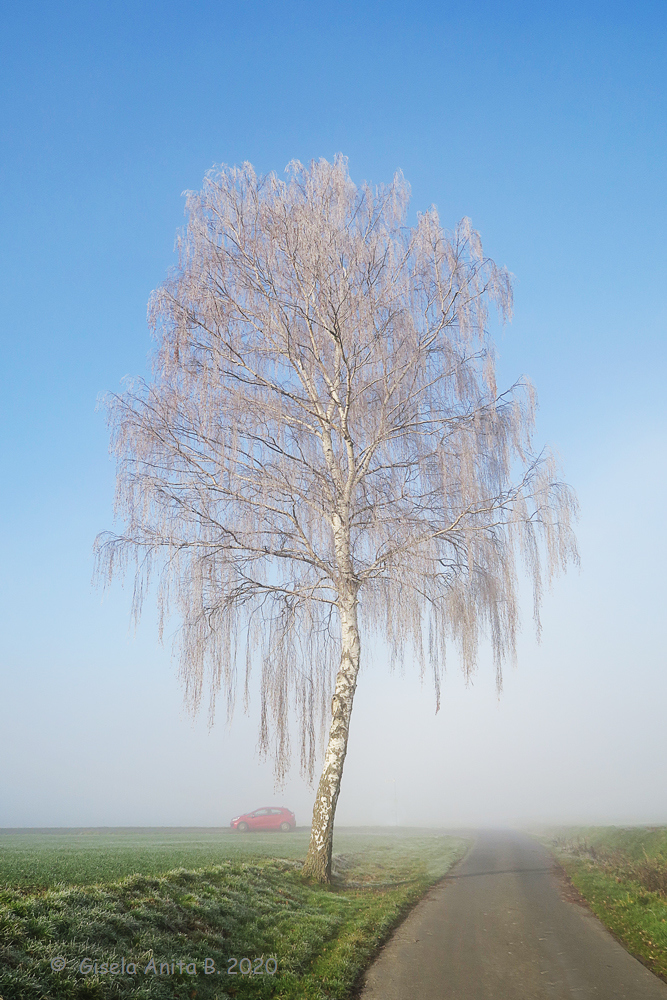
x: 499, y: 928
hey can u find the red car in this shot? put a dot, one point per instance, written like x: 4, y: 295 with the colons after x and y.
x: 270, y: 818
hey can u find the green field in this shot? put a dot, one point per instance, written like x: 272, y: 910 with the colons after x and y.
x: 179, y: 907
x: 622, y: 874
x: 83, y: 856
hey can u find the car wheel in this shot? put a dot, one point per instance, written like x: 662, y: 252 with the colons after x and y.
x: 242, y: 828
x: 285, y: 827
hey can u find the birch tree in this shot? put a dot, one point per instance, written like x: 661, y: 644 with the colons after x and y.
x: 322, y: 452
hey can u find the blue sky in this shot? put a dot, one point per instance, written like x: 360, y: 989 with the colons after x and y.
x: 546, y: 124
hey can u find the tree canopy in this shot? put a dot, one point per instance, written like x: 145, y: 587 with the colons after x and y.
x: 323, y: 423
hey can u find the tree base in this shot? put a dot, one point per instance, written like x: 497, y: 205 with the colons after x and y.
x: 317, y: 867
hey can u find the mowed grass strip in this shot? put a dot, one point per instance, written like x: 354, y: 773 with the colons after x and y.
x: 319, y: 938
x: 621, y: 873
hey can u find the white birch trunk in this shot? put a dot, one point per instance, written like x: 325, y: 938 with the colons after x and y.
x: 318, y: 860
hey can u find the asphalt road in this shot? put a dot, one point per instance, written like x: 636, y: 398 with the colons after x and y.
x: 500, y: 927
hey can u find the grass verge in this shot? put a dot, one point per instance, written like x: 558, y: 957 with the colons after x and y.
x: 622, y: 875
x: 179, y: 931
